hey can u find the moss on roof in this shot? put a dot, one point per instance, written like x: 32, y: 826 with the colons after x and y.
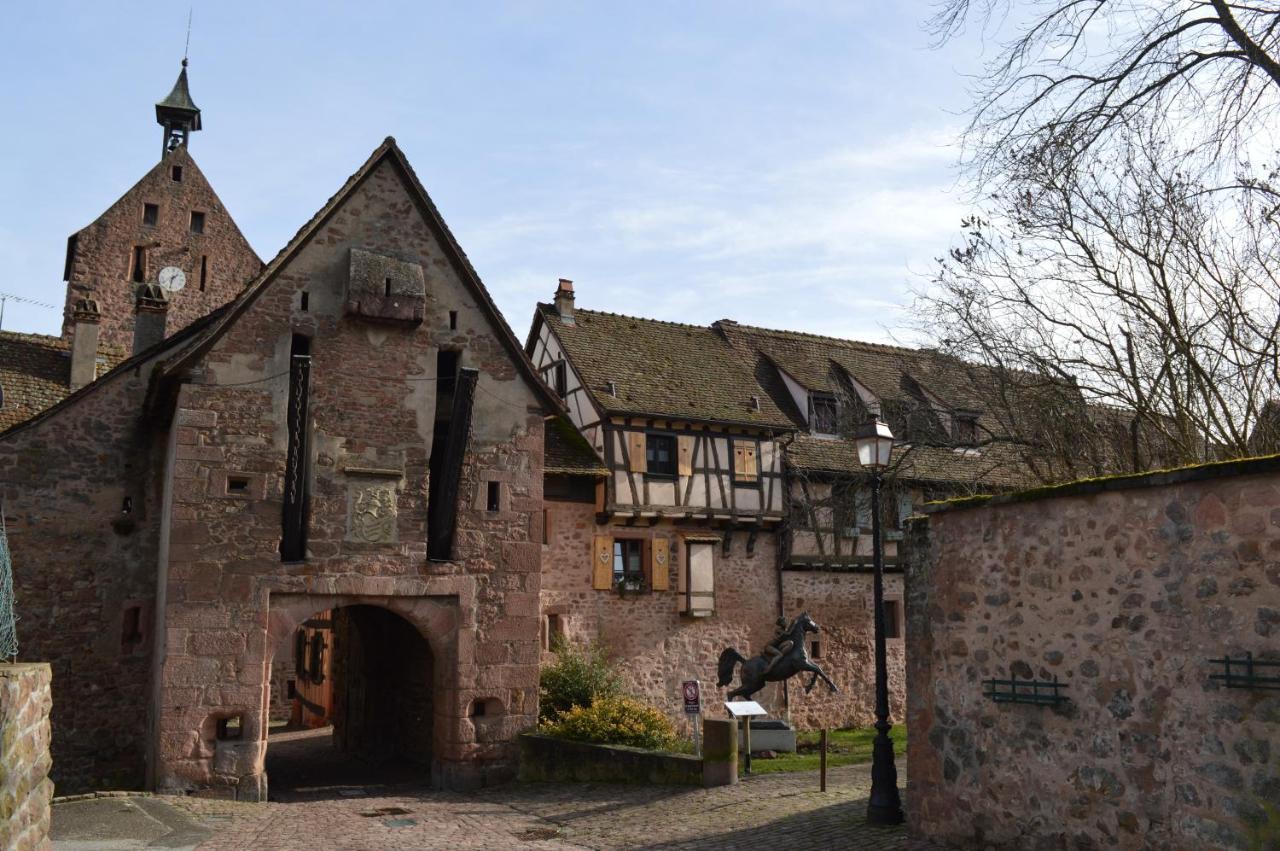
x: 664, y: 369
x: 35, y: 374
x: 567, y: 452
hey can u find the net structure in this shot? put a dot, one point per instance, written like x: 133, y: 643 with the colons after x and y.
x: 8, y: 619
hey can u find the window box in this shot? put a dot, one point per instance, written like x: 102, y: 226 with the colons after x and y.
x: 625, y: 585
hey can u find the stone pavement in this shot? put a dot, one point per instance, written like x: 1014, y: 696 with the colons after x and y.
x: 767, y: 812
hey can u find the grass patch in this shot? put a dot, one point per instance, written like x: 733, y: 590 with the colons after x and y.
x: 844, y: 747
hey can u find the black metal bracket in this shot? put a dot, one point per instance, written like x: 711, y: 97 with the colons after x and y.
x: 1038, y: 692
x: 1241, y: 673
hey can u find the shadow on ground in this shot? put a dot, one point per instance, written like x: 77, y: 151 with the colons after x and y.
x: 303, y: 765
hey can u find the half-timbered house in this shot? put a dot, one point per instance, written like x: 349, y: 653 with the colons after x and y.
x: 715, y: 488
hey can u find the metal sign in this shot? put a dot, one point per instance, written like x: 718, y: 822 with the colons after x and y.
x: 744, y: 708
x: 692, y: 698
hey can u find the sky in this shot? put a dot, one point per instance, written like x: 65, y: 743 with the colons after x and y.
x: 785, y: 164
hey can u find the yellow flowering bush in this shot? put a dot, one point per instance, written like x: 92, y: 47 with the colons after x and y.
x: 614, y: 721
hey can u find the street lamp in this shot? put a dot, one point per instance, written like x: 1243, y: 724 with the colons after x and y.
x: 875, y: 443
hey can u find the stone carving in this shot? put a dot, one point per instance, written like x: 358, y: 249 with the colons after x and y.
x: 783, y: 657
x: 372, y: 516
x: 384, y: 289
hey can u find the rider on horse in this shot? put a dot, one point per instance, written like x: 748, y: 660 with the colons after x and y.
x: 781, y: 643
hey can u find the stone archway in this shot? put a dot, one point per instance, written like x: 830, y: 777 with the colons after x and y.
x: 388, y: 661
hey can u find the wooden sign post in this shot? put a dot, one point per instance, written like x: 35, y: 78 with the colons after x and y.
x: 747, y: 709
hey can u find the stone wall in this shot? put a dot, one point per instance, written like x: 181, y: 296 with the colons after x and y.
x: 25, y: 788
x: 101, y: 265
x: 657, y: 648
x: 1123, y: 589
x: 82, y: 503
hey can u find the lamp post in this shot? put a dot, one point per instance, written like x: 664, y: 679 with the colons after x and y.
x: 875, y: 443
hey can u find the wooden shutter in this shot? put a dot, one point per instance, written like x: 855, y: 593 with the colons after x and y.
x: 635, y: 451
x: 684, y: 452
x: 744, y: 460
x: 602, y: 563
x: 659, y: 563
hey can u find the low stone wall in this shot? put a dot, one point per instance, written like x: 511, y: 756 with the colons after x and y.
x: 546, y: 758
x: 25, y: 788
x: 1124, y: 590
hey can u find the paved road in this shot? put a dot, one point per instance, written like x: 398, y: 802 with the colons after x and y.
x: 780, y: 811
x: 320, y: 804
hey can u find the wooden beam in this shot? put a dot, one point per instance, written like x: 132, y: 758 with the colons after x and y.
x: 443, y: 513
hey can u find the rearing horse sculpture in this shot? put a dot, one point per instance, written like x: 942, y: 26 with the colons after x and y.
x: 756, y: 670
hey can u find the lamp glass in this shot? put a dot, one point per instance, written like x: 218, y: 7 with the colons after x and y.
x: 875, y: 444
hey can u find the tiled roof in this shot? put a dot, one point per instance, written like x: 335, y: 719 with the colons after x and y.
x: 664, y: 369
x: 567, y: 451
x: 996, y: 466
x: 35, y: 370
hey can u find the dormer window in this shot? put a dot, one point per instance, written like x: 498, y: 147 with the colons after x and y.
x: 823, y: 412
x: 964, y: 428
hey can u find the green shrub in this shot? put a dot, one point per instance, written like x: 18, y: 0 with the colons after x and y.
x: 615, y: 721
x: 579, y: 675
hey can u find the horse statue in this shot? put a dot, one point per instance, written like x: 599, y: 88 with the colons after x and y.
x: 790, y: 656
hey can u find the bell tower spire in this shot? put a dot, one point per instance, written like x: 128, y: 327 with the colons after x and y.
x: 177, y: 113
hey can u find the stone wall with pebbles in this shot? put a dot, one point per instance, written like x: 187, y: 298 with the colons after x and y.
x: 25, y: 788
x: 1124, y: 590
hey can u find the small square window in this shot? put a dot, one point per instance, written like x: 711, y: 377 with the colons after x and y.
x: 150, y: 214
x: 628, y: 560
x: 176, y: 173
x: 815, y: 649
x: 660, y: 455
x: 561, y: 378
x: 237, y: 484
x: 230, y: 729
x: 964, y: 429
x: 453, y: 320
x: 892, y: 618
x: 493, y: 499
x: 824, y: 418
x: 197, y: 221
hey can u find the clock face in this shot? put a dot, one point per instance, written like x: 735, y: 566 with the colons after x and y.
x: 171, y: 279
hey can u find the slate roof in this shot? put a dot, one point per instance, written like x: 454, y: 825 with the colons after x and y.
x: 35, y: 371
x: 567, y: 452
x: 663, y: 369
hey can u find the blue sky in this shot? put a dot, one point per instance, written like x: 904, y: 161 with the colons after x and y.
x: 787, y: 164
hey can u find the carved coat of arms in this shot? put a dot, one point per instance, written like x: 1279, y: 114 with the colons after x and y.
x: 373, y: 515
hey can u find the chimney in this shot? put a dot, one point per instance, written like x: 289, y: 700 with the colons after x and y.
x: 84, y: 343
x: 150, y: 314
x: 564, y: 301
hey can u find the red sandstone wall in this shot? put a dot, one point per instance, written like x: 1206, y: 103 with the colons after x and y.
x: 25, y: 790
x: 80, y: 563
x: 102, y: 265
x: 1124, y: 596
x: 229, y: 597
x: 657, y: 648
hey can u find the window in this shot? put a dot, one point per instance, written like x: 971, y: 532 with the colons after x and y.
x: 964, y: 429
x: 229, y: 729
x: 315, y: 659
x: 237, y: 485
x: 660, y: 455
x: 560, y: 379
x: 138, y: 271
x: 815, y: 649
x: 131, y: 629
x: 892, y: 618
x: 197, y: 221
x: 304, y: 300
x: 697, y: 585
x: 176, y: 173
x: 553, y: 627
x: 823, y: 417
x: 628, y: 560
x: 150, y: 214
x: 453, y: 320
x: 494, y: 497
x: 204, y: 275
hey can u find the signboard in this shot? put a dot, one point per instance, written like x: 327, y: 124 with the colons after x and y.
x: 692, y: 698
x: 744, y: 708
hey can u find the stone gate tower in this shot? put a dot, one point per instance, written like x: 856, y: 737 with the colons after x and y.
x: 169, y: 232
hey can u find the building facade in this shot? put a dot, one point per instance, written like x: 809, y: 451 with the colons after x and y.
x: 725, y: 493
x: 357, y: 433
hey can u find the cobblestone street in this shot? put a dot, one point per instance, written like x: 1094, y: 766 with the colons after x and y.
x: 772, y: 811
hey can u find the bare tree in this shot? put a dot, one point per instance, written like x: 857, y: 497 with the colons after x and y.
x: 1150, y: 291
x: 1078, y: 72
x: 1127, y: 241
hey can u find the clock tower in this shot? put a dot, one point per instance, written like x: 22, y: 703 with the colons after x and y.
x: 169, y: 231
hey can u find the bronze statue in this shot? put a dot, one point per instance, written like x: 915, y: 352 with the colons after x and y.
x: 783, y: 657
